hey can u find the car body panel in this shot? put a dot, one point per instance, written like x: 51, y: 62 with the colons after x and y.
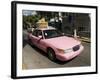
x: 62, y: 42
x: 68, y: 56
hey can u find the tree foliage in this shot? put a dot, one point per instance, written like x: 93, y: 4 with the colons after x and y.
x: 29, y: 21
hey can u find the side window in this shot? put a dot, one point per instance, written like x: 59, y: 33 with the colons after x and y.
x: 37, y: 33
x: 34, y: 33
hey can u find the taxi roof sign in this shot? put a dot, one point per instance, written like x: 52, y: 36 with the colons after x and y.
x: 42, y: 23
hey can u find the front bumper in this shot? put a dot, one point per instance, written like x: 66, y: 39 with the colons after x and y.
x: 68, y: 56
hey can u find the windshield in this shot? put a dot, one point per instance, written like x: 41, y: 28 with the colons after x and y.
x: 51, y: 33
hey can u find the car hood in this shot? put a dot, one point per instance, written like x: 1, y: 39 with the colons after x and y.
x: 63, y: 42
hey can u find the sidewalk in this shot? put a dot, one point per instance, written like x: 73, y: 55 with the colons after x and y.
x: 85, y: 39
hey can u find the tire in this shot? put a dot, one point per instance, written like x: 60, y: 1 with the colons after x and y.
x: 51, y: 54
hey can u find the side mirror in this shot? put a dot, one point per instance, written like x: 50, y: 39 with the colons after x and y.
x: 63, y: 34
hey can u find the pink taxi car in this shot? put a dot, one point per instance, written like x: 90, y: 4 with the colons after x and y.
x: 56, y: 45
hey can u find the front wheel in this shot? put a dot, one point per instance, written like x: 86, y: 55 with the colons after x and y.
x: 51, y: 54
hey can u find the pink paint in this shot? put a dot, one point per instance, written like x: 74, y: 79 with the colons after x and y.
x: 62, y: 42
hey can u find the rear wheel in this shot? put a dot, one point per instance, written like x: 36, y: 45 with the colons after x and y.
x: 51, y: 54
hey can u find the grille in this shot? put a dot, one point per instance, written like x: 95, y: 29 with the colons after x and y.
x: 75, y: 48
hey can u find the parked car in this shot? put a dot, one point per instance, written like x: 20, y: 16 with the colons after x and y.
x: 56, y: 45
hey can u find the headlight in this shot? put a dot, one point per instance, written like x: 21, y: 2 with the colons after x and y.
x: 65, y: 51
x: 68, y: 50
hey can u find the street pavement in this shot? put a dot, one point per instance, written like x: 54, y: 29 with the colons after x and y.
x: 34, y: 58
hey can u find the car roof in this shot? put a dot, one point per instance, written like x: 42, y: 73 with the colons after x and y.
x: 48, y: 28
